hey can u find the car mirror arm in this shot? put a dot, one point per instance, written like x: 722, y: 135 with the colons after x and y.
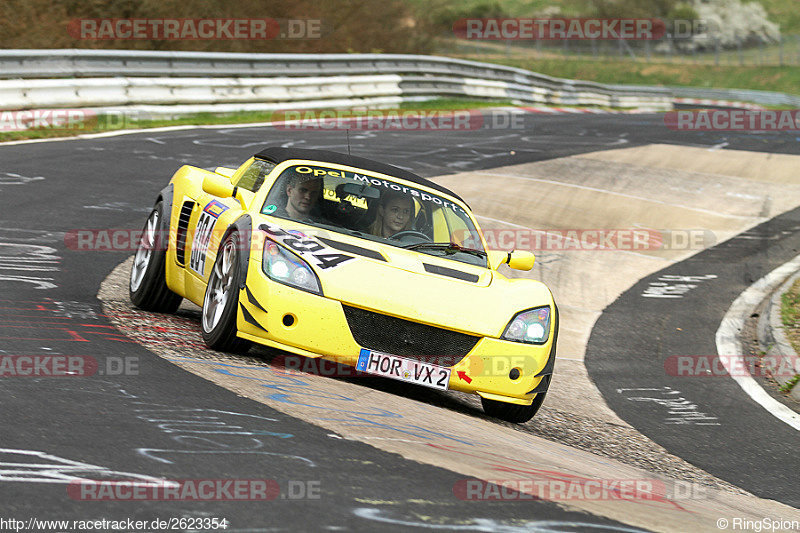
x: 516, y: 259
x: 238, y: 197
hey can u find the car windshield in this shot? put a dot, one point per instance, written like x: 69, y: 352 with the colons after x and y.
x: 377, y: 209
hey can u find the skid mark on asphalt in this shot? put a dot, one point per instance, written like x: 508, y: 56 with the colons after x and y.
x: 419, y: 429
x: 580, y: 276
x: 49, y: 320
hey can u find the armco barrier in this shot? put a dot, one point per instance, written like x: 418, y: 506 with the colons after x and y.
x: 91, y: 92
x: 765, y: 98
x: 421, y: 76
x: 131, y: 79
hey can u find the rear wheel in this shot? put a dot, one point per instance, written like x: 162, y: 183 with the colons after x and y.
x: 511, y: 412
x: 148, y: 284
x: 222, y: 299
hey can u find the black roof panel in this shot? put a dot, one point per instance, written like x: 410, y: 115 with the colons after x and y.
x: 278, y: 154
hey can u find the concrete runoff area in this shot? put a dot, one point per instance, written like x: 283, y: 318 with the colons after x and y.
x: 606, y: 190
x: 656, y: 188
x: 760, y: 167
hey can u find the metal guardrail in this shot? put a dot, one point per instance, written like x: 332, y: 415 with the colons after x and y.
x: 764, y: 98
x: 68, y: 77
x: 75, y: 63
x: 91, y: 78
x: 122, y: 91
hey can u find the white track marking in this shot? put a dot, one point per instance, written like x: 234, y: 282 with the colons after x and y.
x: 728, y: 342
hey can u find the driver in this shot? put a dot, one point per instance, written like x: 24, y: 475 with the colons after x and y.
x: 395, y: 214
x: 302, y: 194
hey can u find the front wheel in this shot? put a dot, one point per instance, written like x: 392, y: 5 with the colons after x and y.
x: 222, y: 299
x: 148, y: 284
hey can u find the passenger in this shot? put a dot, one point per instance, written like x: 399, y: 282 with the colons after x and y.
x: 395, y: 214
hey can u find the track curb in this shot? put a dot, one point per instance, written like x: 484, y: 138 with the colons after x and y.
x: 772, y: 339
x: 728, y: 344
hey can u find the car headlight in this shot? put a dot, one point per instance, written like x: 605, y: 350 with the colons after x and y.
x: 284, y: 266
x: 531, y: 326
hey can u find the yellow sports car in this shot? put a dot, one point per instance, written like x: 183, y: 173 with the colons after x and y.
x: 328, y: 255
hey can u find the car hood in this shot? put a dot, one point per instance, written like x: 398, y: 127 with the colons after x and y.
x: 422, y: 287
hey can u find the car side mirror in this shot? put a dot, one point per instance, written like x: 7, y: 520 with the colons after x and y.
x: 217, y: 185
x: 517, y: 259
x: 521, y: 260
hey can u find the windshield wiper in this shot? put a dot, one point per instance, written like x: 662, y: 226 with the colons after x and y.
x: 448, y: 247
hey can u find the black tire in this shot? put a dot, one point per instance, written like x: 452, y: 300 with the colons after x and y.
x: 148, y: 284
x: 221, y: 334
x: 511, y: 412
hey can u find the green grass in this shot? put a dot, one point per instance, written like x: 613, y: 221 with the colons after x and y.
x: 790, y: 314
x: 783, y: 12
x: 107, y: 124
x: 789, y: 385
x: 790, y: 306
x: 757, y: 56
x: 511, y: 8
x: 104, y: 124
x: 781, y: 79
x: 699, y: 71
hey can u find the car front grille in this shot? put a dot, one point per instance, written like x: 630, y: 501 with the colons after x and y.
x: 384, y: 333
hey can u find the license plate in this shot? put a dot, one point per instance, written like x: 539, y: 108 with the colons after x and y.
x: 403, y: 369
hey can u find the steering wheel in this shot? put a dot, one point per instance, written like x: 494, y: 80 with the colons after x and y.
x: 410, y: 233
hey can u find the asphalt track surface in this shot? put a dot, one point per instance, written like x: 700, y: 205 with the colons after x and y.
x: 156, y: 423
x: 631, y: 357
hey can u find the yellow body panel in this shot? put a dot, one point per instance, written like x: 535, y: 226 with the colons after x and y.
x: 399, y: 287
